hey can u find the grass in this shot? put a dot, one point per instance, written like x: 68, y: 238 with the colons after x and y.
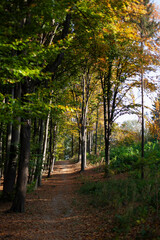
x: 133, y: 200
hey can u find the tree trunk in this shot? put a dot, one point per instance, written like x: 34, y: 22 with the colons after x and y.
x: 72, y: 147
x: 108, y: 114
x: 39, y: 153
x: 79, y: 148
x: 96, y: 136
x: 83, y: 147
x: 50, y: 148
x: 142, y: 99
x: 32, y: 167
x: 10, y: 176
x: 44, y: 149
x: 89, y: 142
x: 21, y: 187
x: 83, y: 125
x: 107, y: 131
x: 6, y: 147
x: 19, y: 201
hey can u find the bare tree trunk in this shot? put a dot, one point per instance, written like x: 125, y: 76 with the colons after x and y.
x: 96, y: 136
x: 72, y: 147
x: 19, y: 201
x: 10, y: 176
x: 44, y: 149
x: 142, y: 99
x: 83, y: 125
x: 39, y: 153
x: 89, y: 142
x: 108, y: 109
x: 83, y: 147
x: 6, y: 147
x: 50, y: 148
x: 21, y: 187
x: 79, y: 149
x: 106, y: 133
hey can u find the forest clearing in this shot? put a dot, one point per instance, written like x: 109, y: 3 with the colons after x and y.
x: 58, y: 211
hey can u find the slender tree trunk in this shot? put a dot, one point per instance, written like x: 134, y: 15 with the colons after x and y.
x: 83, y: 148
x: 83, y: 126
x: 50, y: 148
x: 79, y: 148
x: 44, y: 149
x: 142, y: 99
x: 39, y: 153
x: 106, y: 132
x: 108, y: 114
x: 32, y: 168
x: 92, y: 140
x: 85, y: 98
x: 10, y: 176
x: 6, y: 147
x: 53, y: 155
x: 72, y: 147
x: 89, y: 142
x: 96, y: 136
x: 55, y: 130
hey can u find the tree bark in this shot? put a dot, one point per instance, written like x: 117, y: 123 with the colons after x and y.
x: 52, y: 148
x: 142, y: 101
x: 19, y: 201
x: 21, y: 187
x: 79, y: 148
x: 44, y: 148
x: 89, y: 142
x: 85, y: 98
x: 72, y: 147
x: 106, y: 133
x: 83, y: 146
x: 10, y: 176
x: 39, y: 153
x: 6, y: 147
x: 96, y: 135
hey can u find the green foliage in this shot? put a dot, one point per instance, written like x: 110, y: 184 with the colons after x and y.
x: 127, y: 158
x: 94, y: 159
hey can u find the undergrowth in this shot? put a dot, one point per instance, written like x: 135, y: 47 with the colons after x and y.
x: 132, y: 199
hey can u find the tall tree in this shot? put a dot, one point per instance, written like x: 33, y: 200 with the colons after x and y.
x: 148, y: 28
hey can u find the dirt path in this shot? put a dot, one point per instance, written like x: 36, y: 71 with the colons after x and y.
x: 53, y: 212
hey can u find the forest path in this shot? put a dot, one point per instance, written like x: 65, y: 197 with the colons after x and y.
x: 55, y: 211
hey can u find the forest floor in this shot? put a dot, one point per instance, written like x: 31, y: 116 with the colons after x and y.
x: 56, y: 211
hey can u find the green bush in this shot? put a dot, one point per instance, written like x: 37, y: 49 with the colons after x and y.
x: 127, y: 158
